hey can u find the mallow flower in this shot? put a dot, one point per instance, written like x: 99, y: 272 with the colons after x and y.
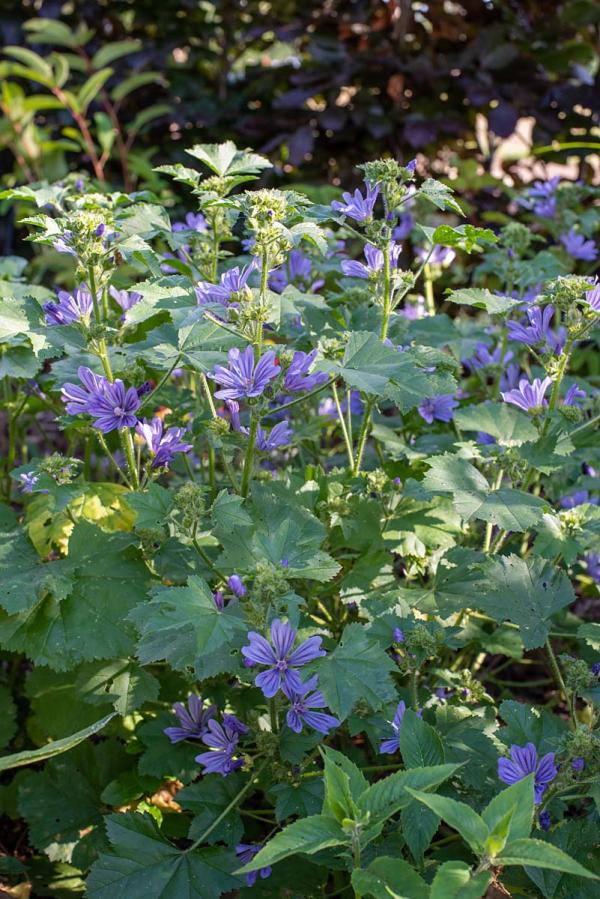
x: 245, y: 853
x: 592, y: 298
x: 523, y: 761
x: 528, y: 396
x: 356, y: 206
x: 163, y: 444
x: 222, y: 739
x: 194, y: 221
x: 392, y: 744
x: 242, y: 378
x: 440, y: 408
x: 193, y: 720
x: 77, y: 398
x: 70, y: 308
x: 114, y: 406
x: 231, y: 282
x: 126, y: 299
x: 297, y: 268
x: 281, y: 660
x: 303, y: 705
x: 572, y: 500
x: 298, y: 378
x: 578, y: 247
x: 374, y: 261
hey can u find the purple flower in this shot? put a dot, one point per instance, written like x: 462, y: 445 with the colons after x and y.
x: 63, y: 244
x: 578, y: 247
x: 297, y: 269
x: 542, y: 193
x: 28, y: 481
x: 114, y: 406
x: 219, y: 600
x: 193, y: 720
x: 246, y: 852
x: 523, y: 761
x: 392, y: 744
x: 243, y: 379
x: 223, y: 741
x: 280, y: 435
x: 374, y: 258
x: 398, y: 635
x: 194, y: 221
x: 297, y: 377
x: 232, y: 282
x: 236, y: 585
x: 577, y: 499
x: 592, y: 298
x: 483, y: 357
x: 404, y: 227
x: 538, y: 330
x: 596, y: 669
x: 528, y: 396
x: 411, y: 166
x: 70, y: 307
x: 327, y: 407
x: 413, y: 310
x: 545, y: 820
x: 356, y: 206
x: 573, y: 394
x: 125, y: 298
x: 301, y: 712
x: 578, y: 764
x: 484, y: 439
x: 162, y: 444
x: 437, y: 407
x: 440, y: 256
x: 592, y: 561
x: 77, y: 398
x: 280, y: 658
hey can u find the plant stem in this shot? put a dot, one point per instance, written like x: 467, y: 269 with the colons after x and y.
x: 249, y: 458
x: 127, y: 444
x: 429, y: 297
x: 557, y: 672
x: 206, y: 558
x: 363, y: 435
x: 299, y: 399
x: 97, y: 313
x: 414, y: 693
x: 234, y: 802
x: 349, y: 449
x: 160, y: 384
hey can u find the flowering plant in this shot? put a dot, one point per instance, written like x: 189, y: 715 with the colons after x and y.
x: 306, y: 536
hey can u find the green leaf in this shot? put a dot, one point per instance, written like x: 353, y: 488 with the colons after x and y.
x: 308, y: 835
x: 459, y: 816
x: 303, y: 798
x: 143, y: 864
x: 152, y: 506
x: 440, y: 195
x: 127, y: 85
x: 92, y: 87
x: 225, y: 159
x: 512, y: 510
x: 454, y: 880
x: 539, y: 854
x: 482, y: 299
x: 180, y: 624
x: 419, y: 825
x: 338, y: 802
x: 33, y: 61
x: 115, y: 50
x: 282, y: 529
x: 420, y: 745
x: 389, y: 877
x: 387, y: 796
x: 77, y: 609
x: 357, y: 669
x: 229, y: 512
x: 465, y: 237
x: 518, y: 800
x: 507, y: 424
x: 50, y: 31
x: 30, y: 756
x: 527, y: 592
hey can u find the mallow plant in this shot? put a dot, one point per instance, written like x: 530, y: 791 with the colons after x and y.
x: 301, y: 540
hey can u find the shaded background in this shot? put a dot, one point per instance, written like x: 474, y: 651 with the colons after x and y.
x: 475, y: 86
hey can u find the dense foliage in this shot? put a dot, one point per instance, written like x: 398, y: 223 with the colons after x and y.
x: 301, y: 541
x: 318, y: 86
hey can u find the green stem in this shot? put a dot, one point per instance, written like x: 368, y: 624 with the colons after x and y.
x: 273, y: 716
x: 264, y: 275
x: 92, y: 277
x: 556, y: 389
x: 429, y: 297
x: 557, y: 672
x: 206, y: 558
x: 414, y: 693
x: 349, y: 449
x: 127, y: 444
x: 363, y: 435
x: 249, y: 458
x: 160, y: 385
x: 234, y: 802
x: 114, y: 462
x: 387, y: 290
x: 299, y: 399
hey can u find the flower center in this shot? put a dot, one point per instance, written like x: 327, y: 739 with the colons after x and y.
x: 118, y: 410
x: 281, y: 665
